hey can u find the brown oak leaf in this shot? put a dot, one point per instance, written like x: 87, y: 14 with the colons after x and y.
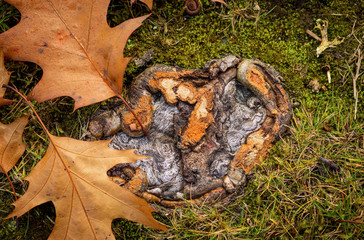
x: 11, y: 143
x: 4, y: 79
x: 73, y: 176
x: 81, y: 56
x: 149, y: 3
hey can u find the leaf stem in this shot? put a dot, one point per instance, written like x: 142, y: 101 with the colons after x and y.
x: 134, y: 114
x: 12, y: 186
x: 57, y: 151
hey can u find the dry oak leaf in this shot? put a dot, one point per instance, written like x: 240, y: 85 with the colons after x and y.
x: 81, y: 56
x: 4, y: 79
x: 11, y: 143
x: 88, y: 201
x: 149, y: 3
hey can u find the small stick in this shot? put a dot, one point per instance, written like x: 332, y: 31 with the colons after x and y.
x: 312, y: 34
x: 328, y: 162
x: 11, y: 183
x: 349, y: 221
x: 357, y: 74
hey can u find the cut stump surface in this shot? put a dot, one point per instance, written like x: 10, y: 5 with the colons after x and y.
x: 208, y: 129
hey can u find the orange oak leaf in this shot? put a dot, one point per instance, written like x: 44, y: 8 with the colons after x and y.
x: 4, y: 79
x: 86, y: 200
x: 81, y: 56
x: 149, y: 3
x: 11, y: 143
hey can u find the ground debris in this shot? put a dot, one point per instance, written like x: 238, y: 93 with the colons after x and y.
x: 209, y: 127
x: 325, y: 43
x: 316, y: 86
x: 329, y: 163
x: 145, y: 59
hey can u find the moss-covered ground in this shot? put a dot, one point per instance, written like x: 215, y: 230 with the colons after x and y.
x: 293, y: 195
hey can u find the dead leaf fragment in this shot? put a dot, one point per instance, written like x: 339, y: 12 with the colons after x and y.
x: 325, y: 43
x: 81, y: 56
x: 11, y: 143
x: 329, y: 163
x: 88, y: 201
x: 149, y: 3
x: 315, y: 85
x: 4, y: 79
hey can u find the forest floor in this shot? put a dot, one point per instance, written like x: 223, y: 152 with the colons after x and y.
x: 293, y: 194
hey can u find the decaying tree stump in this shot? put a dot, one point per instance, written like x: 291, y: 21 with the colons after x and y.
x: 208, y: 128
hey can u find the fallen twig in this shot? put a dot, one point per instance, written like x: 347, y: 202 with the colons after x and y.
x: 349, y: 221
x: 355, y: 77
x: 312, y: 34
x: 328, y: 162
x: 325, y: 43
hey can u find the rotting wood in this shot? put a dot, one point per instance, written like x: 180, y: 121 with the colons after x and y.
x: 209, y: 127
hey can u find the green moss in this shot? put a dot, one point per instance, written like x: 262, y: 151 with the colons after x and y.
x: 278, y: 38
x: 34, y: 225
